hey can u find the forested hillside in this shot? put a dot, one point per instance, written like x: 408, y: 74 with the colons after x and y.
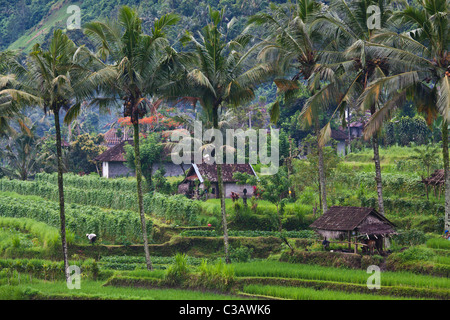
x: 24, y: 22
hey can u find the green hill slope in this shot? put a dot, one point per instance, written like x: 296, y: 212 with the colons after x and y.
x: 25, y: 22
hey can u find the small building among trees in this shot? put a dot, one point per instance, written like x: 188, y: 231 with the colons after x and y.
x: 342, y: 139
x: 113, y: 163
x: 361, y: 224
x: 201, y: 177
x: 435, y: 180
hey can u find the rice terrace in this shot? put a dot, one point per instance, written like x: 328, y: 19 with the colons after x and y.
x: 224, y: 151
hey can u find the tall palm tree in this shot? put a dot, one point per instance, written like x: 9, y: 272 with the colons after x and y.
x: 424, y: 73
x: 352, y: 66
x: 297, y: 49
x: 61, y: 77
x: 219, y: 74
x: 141, y: 64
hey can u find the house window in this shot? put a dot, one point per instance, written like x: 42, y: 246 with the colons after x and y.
x: 213, y: 191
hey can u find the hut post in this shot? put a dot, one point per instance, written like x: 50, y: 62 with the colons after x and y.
x: 349, y: 240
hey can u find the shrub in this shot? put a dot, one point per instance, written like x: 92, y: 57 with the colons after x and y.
x: 178, y: 272
x: 409, y: 237
x: 241, y: 254
x: 417, y: 253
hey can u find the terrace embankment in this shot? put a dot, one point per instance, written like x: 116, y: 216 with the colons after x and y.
x: 193, y: 246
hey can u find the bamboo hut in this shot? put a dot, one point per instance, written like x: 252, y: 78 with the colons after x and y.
x: 347, y: 223
x: 435, y: 180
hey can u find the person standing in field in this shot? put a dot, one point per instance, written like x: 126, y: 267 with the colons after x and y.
x: 91, y: 237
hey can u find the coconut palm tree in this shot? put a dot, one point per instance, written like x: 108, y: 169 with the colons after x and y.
x: 61, y: 77
x: 297, y: 49
x: 352, y: 66
x: 141, y: 64
x: 219, y: 74
x: 423, y: 74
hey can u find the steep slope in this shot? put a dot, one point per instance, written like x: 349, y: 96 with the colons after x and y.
x: 25, y: 22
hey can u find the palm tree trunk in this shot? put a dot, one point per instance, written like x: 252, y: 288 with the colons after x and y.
x: 376, y: 158
x: 446, y: 173
x: 221, y: 192
x: 322, y: 181
x: 62, y: 214
x: 223, y: 211
x: 137, y: 159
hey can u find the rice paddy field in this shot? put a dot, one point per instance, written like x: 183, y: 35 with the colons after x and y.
x: 114, y: 268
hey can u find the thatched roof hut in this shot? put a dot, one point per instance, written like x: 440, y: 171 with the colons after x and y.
x: 437, y: 178
x: 338, y: 222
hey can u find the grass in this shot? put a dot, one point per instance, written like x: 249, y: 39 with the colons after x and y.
x: 388, y: 155
x: 96, y: 290
x: 295, y: 293
x: 438, y: 243
x: 315, y: 272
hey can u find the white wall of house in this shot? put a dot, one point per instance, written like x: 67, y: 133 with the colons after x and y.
x: 341, y: 148
x: 105, y: 170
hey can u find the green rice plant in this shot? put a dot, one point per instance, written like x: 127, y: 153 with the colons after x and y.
x: 47, y: 269
x: 438, y: 243
x: 217, y: 276
x: 179, y: 271
x: 295, y: 293
x: 315, y: 272
x: 96, y: 290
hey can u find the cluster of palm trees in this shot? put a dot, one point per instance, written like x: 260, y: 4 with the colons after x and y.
x: 346, y: 66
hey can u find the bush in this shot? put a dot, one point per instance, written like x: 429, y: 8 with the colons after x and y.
x: 178, y: 272
x: 417, y: 253
x: 409, y: 237
x: 241, y: 254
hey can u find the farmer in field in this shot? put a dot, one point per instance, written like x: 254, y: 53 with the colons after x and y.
x: 446, y: 235
x: 326, y: 244
x: 92, y: 237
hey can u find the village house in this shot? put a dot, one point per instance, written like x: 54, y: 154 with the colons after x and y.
x: 342, y: 139
x: 198, y: 174
x: 113, y: 163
